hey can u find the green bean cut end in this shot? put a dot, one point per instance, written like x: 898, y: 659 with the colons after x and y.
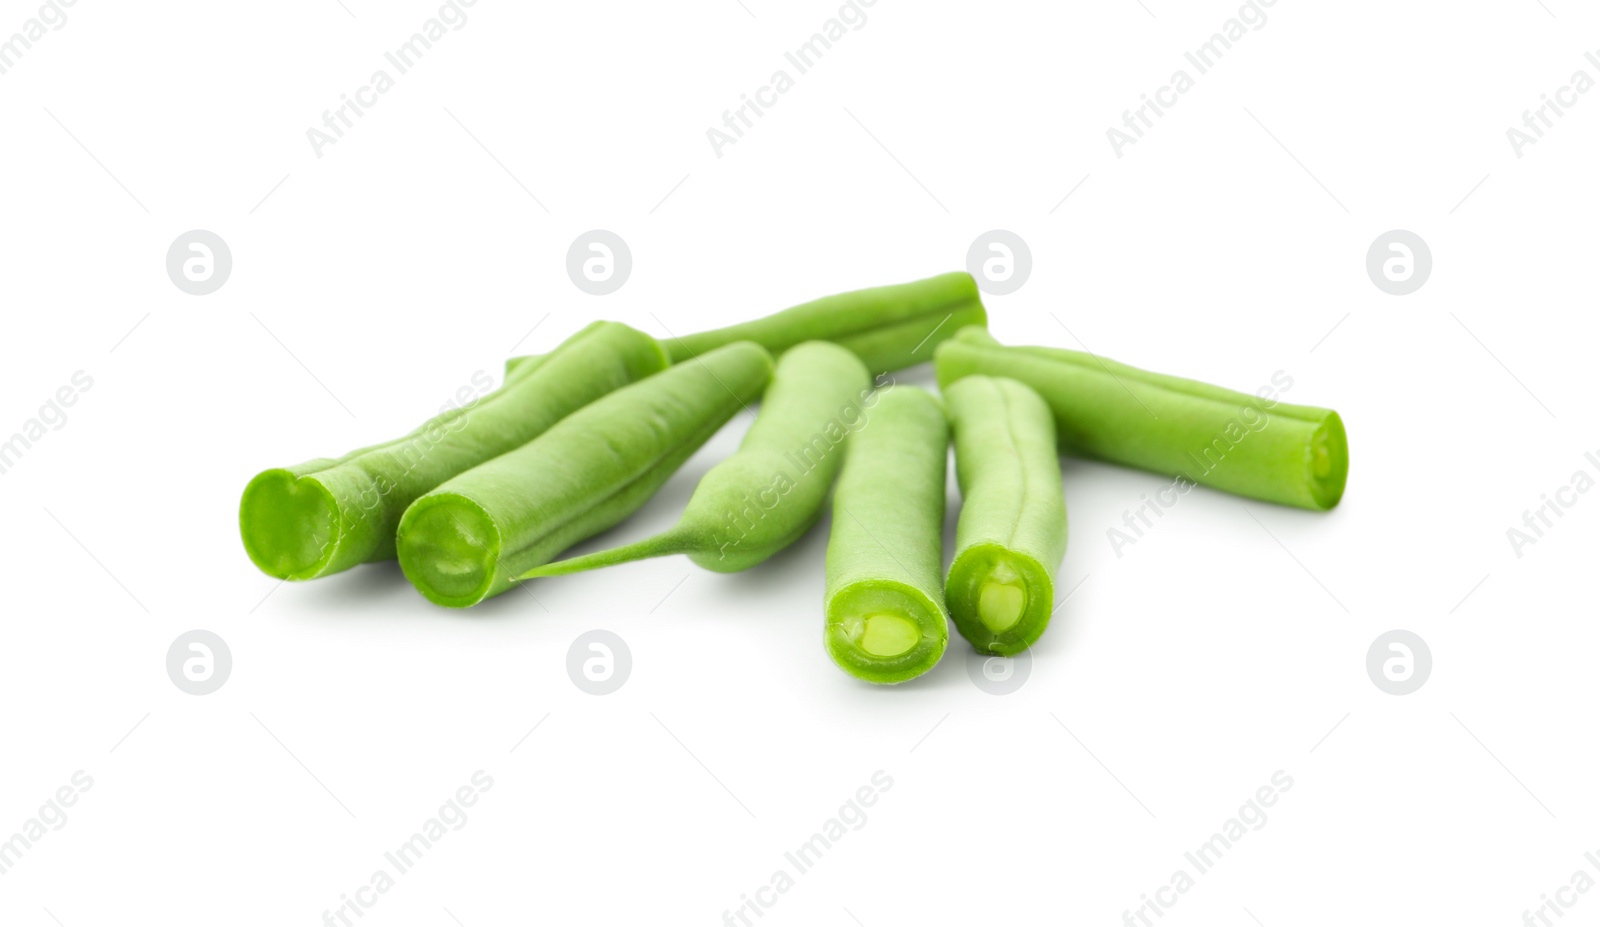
x: 449, y: 548
x: 290, y: 525
x: 1329, y: 463
x: 999, y: 599
x: 885, y: 632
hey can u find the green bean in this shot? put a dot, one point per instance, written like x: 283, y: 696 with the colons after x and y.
x: 522, y: 362
x: 1255, y: 446
x: 888, y: 327
x: 1012, y: 533
x: 884, y: 604
x: 472, y: 537
x: 763, y: 498
x: 328, y: 515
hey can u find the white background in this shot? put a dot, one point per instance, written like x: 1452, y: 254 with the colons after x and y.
x: 372, y: 282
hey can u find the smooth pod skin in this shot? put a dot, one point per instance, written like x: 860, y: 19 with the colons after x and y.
x: 1252, y: 445
x: 328, y: 515
x: 888, y: 327
x: 886, y: 620
x: 767, y: 495
x: 1012, y: 533
x: 472, y: 537
x: 517, y: 366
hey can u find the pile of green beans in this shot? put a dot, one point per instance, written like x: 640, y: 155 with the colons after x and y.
x: 490, y: 494
x: 763, y: 498
x: 328, y: 515
x: 476, y: 534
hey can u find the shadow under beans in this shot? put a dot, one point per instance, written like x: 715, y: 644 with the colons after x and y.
x: 356, y: 590
x: 375, y: 590
x: 518, y: 602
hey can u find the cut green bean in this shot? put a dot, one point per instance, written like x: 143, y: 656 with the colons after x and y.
x: 888, y: 327
x: 1252, y: 445
x: 763, y: 498
x: 328, y: 515
x: 517, y: 366
x: 1012, y: 533
x: 884, y: 604
x: 473, y: 536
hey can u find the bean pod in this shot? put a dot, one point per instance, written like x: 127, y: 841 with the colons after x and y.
x: 1012, y: 533
x: 1253, y: 445
x: 888, y: 327
x: 884, y: 604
